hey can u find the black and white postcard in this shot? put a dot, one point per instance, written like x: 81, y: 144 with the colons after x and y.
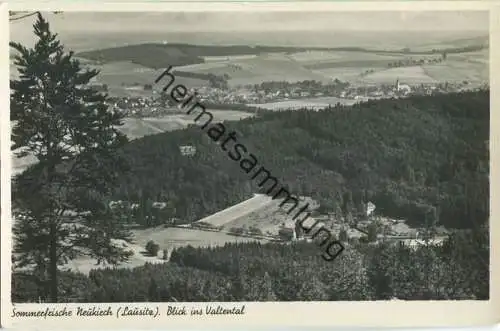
x: 232, y: 164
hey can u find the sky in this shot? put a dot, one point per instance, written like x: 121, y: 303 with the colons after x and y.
x: 84, y: 30
x: 261, y: 21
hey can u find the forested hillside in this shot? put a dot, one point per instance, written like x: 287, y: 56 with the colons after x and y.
x: 424, y: 159
x: 296, y: 272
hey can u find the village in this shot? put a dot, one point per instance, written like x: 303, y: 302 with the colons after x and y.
x: 253, y: 97
x: 261, y: 218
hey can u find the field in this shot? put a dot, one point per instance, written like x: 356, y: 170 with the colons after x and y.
x: 167, y: 238
x: 314, y: 103
x: 452, y: 43
x: 260, y: 211
x: 341, y: 59
x: 257, y: 69
x: 458, y: 71
x: 481, y: 57
x: 325, y: 66
x: 317, y: 57
x: 408, y: 75
x: 127, y: 79
x: 239, y: 210
x: 128, y: 73
x: 227, y: 58
x: 268, y: 218
x: 136, y: 128
x: 347, y: 74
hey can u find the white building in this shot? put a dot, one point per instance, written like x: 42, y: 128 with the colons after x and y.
x: 187, y: 150
x: 402, y: 87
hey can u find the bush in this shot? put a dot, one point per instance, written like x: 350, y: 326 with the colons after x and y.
x: 237, y: 231
x: 28, y: 288
x: 255, y: 231
x: 152, y: 248
x: 165, y: 254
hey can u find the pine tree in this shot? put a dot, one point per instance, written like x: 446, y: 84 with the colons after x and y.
x: 59, y: 201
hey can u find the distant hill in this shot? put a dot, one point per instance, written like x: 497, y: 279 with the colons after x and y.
x: 412, y: 157
x: 162, y: 55
x: 156, y: 56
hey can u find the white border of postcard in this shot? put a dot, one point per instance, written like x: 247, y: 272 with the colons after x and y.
x: 291, y: 314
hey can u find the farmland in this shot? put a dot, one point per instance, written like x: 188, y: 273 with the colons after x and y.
x: 127, y: 79
x: 410, y: 75
x: 324, y: 66
x: 137, y: 64
x: 312, y: 103
x: 481, y: 57
x: 457, y: 71
x: 257, y: 69
x: 347, y: 74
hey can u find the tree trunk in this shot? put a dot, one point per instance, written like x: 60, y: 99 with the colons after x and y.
x: 53, y: 228
x: 53, y: 263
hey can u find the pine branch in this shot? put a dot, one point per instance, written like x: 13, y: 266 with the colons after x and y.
x: 21, y: 17
x: 11, y: 19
